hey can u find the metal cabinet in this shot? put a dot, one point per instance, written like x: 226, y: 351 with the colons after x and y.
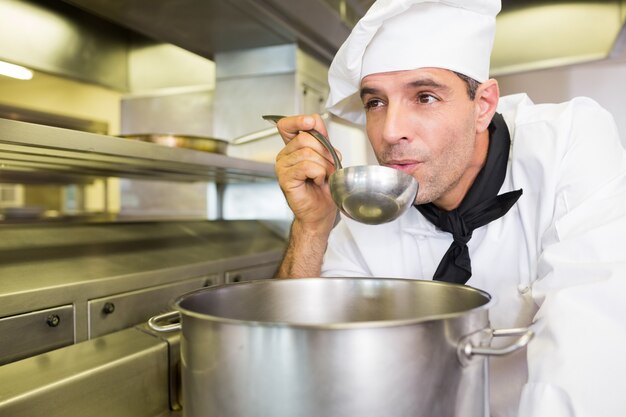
x: 35, y: 332
x: 264, y: 271
x: 117, y: 312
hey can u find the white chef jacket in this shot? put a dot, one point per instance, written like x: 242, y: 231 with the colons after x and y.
x: 556, y: 260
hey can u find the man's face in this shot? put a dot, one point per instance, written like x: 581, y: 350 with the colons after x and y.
x: 422, y: 122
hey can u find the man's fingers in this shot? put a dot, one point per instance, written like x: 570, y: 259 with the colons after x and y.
x: 296, y: 175
x: 290, y: 127
x: 307, y: 159
x: 306, y: 146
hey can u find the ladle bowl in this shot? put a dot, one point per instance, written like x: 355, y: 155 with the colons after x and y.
x: 370, y: 194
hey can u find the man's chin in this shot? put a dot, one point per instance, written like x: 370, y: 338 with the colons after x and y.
x: 421, y: 200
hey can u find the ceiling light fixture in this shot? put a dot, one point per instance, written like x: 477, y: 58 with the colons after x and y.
x: 15, y: 71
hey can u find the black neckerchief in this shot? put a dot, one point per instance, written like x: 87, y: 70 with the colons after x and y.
x: 481, y: 205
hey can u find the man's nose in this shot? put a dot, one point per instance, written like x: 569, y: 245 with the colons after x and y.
x: 397, y: 124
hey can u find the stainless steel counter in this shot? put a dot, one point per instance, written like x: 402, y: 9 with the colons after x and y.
x: 124, y: 374
x: 63, y: 284
x: 65, y: 259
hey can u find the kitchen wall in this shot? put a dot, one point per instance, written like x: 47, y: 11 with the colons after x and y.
x: 603, y: 81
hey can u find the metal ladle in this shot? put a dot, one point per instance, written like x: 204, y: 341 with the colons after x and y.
x: 370, y: 194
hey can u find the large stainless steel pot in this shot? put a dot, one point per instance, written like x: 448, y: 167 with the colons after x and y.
x: 336, y: 347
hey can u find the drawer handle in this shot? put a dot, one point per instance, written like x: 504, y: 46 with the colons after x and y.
x: 53, y: 320
x: 108, y: 308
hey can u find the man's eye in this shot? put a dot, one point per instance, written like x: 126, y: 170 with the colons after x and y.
x: 426, y: 98
x: 373, y: 103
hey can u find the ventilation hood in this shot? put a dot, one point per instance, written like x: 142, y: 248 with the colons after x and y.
x: 531, y: 34
x: 91, y: 41
x: 207, y: 27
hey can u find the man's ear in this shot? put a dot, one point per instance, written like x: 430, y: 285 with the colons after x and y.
x: 487, y: 96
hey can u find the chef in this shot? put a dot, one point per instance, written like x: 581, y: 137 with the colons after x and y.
x: 525, y: 201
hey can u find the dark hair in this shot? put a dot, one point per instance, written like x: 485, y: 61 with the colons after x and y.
x: 472, y: 85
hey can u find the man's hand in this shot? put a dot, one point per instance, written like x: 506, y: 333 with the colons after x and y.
x: 303, y: 167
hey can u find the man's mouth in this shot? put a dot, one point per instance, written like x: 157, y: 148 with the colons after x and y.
x: 407, y: 166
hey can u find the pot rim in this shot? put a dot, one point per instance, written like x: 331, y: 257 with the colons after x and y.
x: 338, y: 325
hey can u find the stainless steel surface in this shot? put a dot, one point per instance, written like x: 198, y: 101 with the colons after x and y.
x: 276, y: 79
x: 256, y: 62
x: 35, y: 332
x: 49, y: 119
x: 369, y: 194
x: 162, y: 322
x: 94, y: 268
x: 199, y: 143
x: 209, y: 27
x: 56, y: 38
x: 26, y: 147
x: 188, y: 111
x: 525, y: 335
x: 124, y: 374
x: 373, y: 194
x: 54, y: 265
x: 249, y: 274
x: 332, y: 347
x: 165, y: 322
x: 173, y: 140
x: 567, y: 32
x: 120, y: 311
x: 173, y: 347
x: 254, y: 136
x: 105, y: 269
x: 157, y: 68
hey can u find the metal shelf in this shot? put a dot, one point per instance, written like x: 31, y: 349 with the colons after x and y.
x: 28, y: 149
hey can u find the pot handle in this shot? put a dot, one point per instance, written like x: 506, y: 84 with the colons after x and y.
x: 153, y: 323
x: 468, y: 349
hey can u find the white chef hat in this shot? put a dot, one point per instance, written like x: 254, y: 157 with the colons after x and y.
x: 399, y: 35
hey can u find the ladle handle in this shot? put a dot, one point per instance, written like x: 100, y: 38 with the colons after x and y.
x: 317, y: 135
